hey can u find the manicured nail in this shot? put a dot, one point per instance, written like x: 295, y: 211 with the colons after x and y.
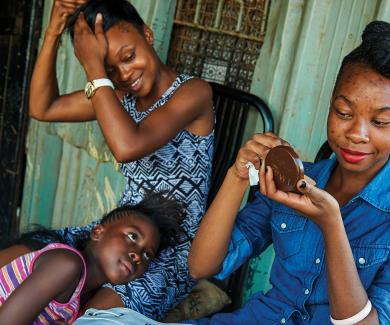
x: 303, y: 185
x: 99, y: 16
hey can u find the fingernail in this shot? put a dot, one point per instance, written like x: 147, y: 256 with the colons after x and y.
x: 303, y: 185
x: 99, y: 16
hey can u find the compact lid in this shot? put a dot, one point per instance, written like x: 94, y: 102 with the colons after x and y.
x: 286, y: 166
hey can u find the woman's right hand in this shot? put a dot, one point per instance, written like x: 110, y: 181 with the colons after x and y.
x: 61, y: 11
x: 254, y: 151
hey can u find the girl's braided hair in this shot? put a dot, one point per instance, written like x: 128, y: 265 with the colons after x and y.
x: 164, y: 211
x: 374, y: 50
x: 158, y: 207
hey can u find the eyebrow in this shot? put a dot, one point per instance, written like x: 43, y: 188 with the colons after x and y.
x: 345, y: 98
x: 121, y: 48
x: 383, y: 109
x: 349, y: 102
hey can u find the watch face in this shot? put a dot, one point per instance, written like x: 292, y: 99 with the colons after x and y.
x: 89, y: 89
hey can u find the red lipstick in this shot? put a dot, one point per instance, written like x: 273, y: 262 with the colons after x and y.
x: 352, y: 156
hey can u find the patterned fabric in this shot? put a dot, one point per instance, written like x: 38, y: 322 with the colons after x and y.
x: 14, y: 273
x: 182, y: 167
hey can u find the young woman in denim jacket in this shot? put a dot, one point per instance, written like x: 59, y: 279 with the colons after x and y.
x: 331, y: 242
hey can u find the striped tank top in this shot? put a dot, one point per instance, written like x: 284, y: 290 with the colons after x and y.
x: 14, y: 273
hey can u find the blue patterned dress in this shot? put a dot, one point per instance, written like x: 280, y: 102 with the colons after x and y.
x: 182, y: 167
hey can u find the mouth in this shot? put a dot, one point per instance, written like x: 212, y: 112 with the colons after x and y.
x: 135, y: 85
x: 352, y: 156
x: 127, y: 266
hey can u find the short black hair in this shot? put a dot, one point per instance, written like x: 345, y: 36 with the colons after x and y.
x: 159, y: 207
x: 374, y: 51
x: 113, y: 11
x: 162, y: 210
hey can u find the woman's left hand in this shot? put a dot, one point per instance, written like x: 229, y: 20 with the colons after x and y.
x: 90, y: 47
x: 314, y: 203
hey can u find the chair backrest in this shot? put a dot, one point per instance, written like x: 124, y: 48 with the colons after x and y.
x: 324, y: 152
x: 232, y: 108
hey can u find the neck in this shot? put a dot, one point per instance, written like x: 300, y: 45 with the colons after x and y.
x: 164, y: 79
x: 94, y: 278
x: 344, y: 184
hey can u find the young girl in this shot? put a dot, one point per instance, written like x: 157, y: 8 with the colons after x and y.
x: 50, y: 285
x: 332, y: 242
x: 158, y: 124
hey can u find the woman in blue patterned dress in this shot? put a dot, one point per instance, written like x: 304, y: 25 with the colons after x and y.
x: 157, y: 124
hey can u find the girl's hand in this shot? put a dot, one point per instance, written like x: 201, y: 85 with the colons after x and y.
x: 314, y: 203
x: 60, y: 13
x: 254, y: 151
x: 90, y: 48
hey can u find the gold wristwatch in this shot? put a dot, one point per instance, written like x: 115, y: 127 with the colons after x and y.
x: 93, y: 85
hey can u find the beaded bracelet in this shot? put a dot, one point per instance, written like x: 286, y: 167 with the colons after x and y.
x: 355, y: 318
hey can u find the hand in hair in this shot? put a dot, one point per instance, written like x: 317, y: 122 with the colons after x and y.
x: 61, y: 11
x: 90, y: 47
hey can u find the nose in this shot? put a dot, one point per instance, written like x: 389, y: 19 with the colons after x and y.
x: 358, y: 131
x: 124, y: 72
x: 135, y: 257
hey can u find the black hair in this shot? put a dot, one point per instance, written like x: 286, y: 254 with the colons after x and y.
x: 165, y: 212
x: 158, y: 207
x: 113, y: 11
x: 374, y: 51
x: 36, y: 237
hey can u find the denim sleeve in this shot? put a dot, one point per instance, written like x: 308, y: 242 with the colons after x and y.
x: 379, y: 294
x: 251, y: 235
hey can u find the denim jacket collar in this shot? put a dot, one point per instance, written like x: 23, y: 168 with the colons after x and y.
x: 376, y: 192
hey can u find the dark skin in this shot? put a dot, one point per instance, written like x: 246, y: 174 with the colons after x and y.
x: 126, y: 56
x: 118, y: 252
x: 359, y: 134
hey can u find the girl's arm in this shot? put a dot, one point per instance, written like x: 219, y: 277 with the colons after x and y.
x: 211, y: 242
x: 45, y: 103
x: 347, y: 295
x: 7, y: 255
x: 55, y: 276
x: 104, y: 298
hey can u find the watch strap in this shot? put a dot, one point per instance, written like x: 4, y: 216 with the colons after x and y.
x: 102, y: 82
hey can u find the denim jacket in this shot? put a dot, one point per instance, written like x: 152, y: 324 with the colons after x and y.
x: 298, y: 276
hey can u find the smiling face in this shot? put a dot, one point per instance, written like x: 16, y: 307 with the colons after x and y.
x: 359, y: 120
x: 131, y: 62
x: 124, y: 248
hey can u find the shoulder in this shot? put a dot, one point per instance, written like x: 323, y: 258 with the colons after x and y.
x: 62, y: 260
x: 200, y: 85
x: 195, y: 93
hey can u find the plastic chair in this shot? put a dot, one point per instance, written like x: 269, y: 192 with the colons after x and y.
x: 232, y: 107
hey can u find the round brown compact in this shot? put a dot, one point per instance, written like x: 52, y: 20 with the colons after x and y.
x: 286, y: 166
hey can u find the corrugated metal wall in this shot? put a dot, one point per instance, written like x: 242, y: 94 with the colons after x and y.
x: 71, y: 177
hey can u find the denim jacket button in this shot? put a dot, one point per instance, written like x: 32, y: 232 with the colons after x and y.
x: 283, y: 226
x: 307, y: 291
x: 362, y: 260
x: 283, y: 321
x: 318, y: 261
